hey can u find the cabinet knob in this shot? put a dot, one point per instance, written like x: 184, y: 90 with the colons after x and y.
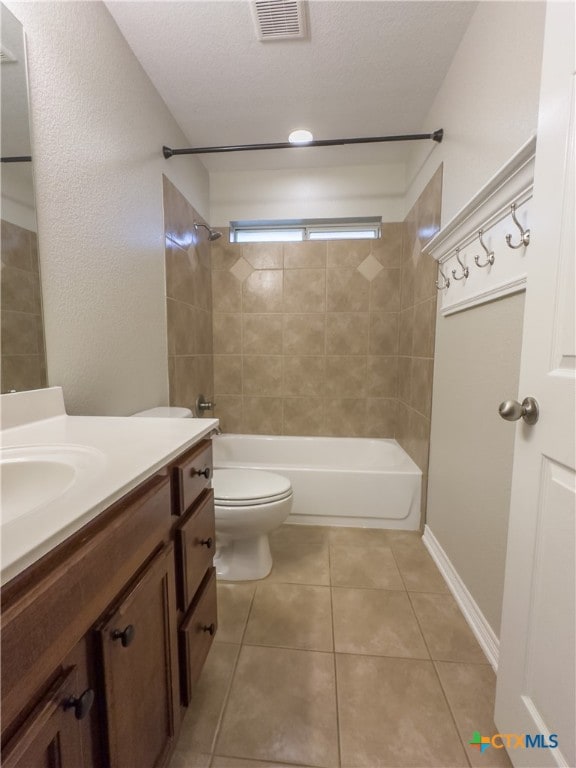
x: 126, y: 635
x: 81, y: 704
x: 210, y: 628
x: 207, y: 542
x: 202, y: 472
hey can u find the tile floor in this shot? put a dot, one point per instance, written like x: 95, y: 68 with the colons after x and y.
x: 351, y: 653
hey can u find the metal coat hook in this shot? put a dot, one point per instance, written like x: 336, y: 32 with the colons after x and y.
x: 446, y: 280
x: 489, y: 254
x: 524, y: 233
x: 465, y: 269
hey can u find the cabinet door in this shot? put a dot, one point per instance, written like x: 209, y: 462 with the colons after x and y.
x: 195, y: 545
x: 51, y: 736
x: 139, y: 658
x: 197, y: 634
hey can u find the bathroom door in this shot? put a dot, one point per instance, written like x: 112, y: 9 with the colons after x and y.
x: 536, y: 671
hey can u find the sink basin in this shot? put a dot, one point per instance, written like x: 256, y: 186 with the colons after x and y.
x: 33, y: 476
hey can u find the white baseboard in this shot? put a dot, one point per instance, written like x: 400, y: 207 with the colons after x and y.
x: 472, y: 613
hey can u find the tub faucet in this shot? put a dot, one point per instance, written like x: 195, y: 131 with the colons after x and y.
x: 203, y: 405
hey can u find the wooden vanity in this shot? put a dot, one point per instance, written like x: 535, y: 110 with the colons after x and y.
x: 104, y: 637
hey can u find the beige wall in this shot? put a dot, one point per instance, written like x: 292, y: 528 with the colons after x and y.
x: 188, y: 301
x: 477, y: 366
x: 488, y: 106
x: 416, y: 328
x: 304, y: 342
x: 22, y: 342
x: 98, y: 126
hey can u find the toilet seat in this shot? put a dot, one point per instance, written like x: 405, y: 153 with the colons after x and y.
x: 249, y: 487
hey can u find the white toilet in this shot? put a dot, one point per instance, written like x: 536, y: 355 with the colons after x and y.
x: 249, y: 504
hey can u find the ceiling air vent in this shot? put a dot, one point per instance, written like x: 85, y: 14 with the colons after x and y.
x: 279, y: 19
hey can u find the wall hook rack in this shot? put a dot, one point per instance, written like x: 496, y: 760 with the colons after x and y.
x: 465, y: 269
x: 446, y: 280
x: 490, y: 258
x: 524, y: 233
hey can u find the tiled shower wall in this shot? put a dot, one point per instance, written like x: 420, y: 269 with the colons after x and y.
x: 188, y: 300
x: 417, y: 327
x: 23, y: 353
x: 306, y: 336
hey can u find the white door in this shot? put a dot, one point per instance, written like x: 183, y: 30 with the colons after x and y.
x: 536, y: 671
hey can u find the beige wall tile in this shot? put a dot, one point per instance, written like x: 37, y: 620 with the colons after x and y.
x: 346, y: 417
x: 181, y: 320
x: 263, y: 255
x: 303, y: 416
x: 388, y: 250
x: 304, y: 291
x: 347, y: 291
x: 402, y: 423
x: 224, y: 254
x: 227, y: 333
x: 348, y: 253
x: 383, y: 333
x: 346, y: 376
x: 16, y: 246
x: 181, y: 268
x: 419, y: 429
x: 385, y: 291
x: 262, y: 334
x: 262, y: 374
x: 227, y: 374
x: 263, y: 415
x: 304, y: 376
x: 347, y: 333
x: 262, y: 291
x: 382, y: 376
x: 185, y: 382
x: 304, y: 255
x: 226, y: 293
x: 179, y: 215
x: 19, y: 333
x: 406, y: 331
x: 205, y: 375
x: 421, y: 390
x: 381, y: 417
x: 20, y: 290
x: 425, y: 279
x: 304, y: 334
x: 424, y: 328
x: 228, y: 408
x: 203, y: 330
x: 21, y: 372
x: 405, y: 379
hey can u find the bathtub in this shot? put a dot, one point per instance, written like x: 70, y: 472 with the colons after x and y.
x: 350, y: 481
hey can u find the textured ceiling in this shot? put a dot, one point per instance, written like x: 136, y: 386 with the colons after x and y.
x: 368, y: 68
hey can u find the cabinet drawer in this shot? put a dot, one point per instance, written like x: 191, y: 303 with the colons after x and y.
x: 195, y: 543
x: 197, y: 634
x: 192, y: 475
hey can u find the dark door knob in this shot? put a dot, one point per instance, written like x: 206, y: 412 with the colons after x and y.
x: 126, y: 635
x: 207, y: 542
x: 210, y: 628
x: 81, y: 704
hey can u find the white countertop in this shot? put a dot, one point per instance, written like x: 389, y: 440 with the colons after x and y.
x: 122, y: 452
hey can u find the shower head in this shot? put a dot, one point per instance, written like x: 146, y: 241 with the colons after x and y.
x: 212, y: 233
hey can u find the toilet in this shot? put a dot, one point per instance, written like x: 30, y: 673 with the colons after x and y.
x: 249, y: 504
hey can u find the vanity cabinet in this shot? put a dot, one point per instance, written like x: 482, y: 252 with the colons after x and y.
x: 94, y: 670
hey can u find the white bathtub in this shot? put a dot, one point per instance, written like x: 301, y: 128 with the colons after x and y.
x: 336, y: 480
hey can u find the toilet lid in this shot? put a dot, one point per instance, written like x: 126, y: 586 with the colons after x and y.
x: 242, y: 487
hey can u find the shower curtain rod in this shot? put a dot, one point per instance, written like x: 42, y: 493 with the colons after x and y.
x: 436, y: 136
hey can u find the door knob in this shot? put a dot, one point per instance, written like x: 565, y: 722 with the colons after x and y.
x: 512, y: 410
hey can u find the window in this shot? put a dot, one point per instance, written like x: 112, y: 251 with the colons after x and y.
x: 305, y: 229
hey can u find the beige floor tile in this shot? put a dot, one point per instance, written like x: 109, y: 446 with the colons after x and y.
x: 234, y: 601
x: 282, y: 707
x: 189, y: 760
x: 470, y: 690
x: 300, y: 555
x: 393, y: 713
x: 370, y: 537
x: 418, y: 570
x: 360, y: 566
x: 201, y: 720
x: 291, y: 616
x: 378, y: 622
x: 447, y: 635
x: 237, y: 762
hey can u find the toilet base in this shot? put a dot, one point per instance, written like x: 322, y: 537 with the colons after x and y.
x: 243, y: 559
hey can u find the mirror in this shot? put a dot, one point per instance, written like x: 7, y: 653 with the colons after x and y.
x: 22, y: 327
